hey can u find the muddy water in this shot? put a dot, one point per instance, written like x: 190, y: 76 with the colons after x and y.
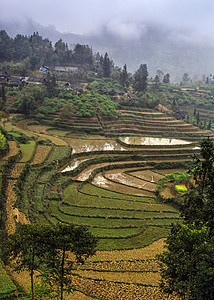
x: 101, y: 181
x: 152, y: 141
x: 128, y: 180
x: 146, y: 175
x: 75, y: 163
x: 86, y: 145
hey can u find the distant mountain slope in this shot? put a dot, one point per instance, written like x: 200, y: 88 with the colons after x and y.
x: 160, y: 48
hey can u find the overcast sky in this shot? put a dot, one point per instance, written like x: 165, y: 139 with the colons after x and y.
x: 123, y: 17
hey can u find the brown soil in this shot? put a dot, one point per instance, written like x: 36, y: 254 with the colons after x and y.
x: 22, y: 124
x: 167, y: 192
x: 13, y: 150
x: 40, y: 154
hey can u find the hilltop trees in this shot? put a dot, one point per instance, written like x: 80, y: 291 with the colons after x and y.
x: 166, y: 78
x: 124, y: 76
x: 38, y: 51
x: 6, y: 46
x: 140, y: 78
x: 82, y: 55
x: 185, y: 79
x: 106, y: 65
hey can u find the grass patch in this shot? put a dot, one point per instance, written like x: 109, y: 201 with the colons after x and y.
x: 73, y: 197
x: 57, y: 153
x: 7, y: 288
x: 119, y: 213
x: 91, y: 189
x: 27, y: 151
x: 58, y: 132
x: 116, y: 233
x: 150, y: 235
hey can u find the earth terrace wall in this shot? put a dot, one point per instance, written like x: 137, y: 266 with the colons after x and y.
x: 6, y: 173
x: 98, y: 160
x: 25, y: 195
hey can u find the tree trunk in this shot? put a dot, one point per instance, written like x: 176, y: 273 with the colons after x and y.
x: 189, y: 284
x: 32, y: 285
x: 62, y: 274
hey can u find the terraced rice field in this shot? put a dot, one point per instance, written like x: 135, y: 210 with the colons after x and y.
x: 41, y: 154
x: 109, y: 185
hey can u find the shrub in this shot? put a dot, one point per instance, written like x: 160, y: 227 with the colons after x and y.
x: 181, y: 188
x: 2, y: 141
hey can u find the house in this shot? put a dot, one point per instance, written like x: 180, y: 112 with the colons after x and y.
x: 14, y: 80
x: 131, y: 96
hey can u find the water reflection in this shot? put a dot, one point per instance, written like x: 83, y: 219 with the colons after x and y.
x: 88, y: 146
x: 152, y: 141
x: 73, y: 165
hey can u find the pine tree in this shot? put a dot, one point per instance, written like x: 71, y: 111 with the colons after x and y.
x: 106, y: 66
x: 198, y: 118
x: 140, y: 78
x: 166, y: 78
x: 124, y: 76
x: 209, y: 125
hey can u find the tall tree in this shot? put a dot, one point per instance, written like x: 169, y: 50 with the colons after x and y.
x: 199, y: 202
x: 124, y: 76
x: 185, y: 78
x: 106, y: 66
x: 3, y: 98
x: 187, y: 266
x: 50, y: 83
x: 160, y: 75
x: 140, y: 78
x: 6, y: 46
x: 27, y: 248
x: 166, y: 78
x: 67, y: 238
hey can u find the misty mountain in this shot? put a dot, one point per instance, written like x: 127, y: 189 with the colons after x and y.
x: 171, y: 51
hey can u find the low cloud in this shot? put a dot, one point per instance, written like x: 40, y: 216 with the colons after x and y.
x: 123, y: 18
x: 125, y: 29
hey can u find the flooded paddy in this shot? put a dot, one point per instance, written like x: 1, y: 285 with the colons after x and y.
x: 123, y: 178
x: 151, y: 141
x: 101, y: 181
x: 146, y: 175
x: 88, y: 145
x: 87, y: 172
x: 74, y: 164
